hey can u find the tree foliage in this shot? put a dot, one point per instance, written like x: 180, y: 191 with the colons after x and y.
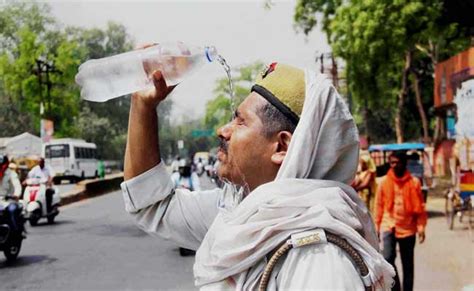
x: 31, y: 43
x: 376, y: 38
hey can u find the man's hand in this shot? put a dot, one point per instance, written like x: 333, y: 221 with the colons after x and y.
x: 152, y: 97
x: 421, y: 236
x: 142, y: 152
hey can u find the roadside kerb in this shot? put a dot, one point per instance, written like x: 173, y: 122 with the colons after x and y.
x: 91, y: 188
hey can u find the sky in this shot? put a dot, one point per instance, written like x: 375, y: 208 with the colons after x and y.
x: 242, y: 31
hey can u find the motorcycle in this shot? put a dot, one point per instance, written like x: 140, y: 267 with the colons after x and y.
x: 11, y: 237
x: 34, y: 199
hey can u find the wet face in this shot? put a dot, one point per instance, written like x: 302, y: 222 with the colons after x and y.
x: 397, y: 165
x: 245, y: 154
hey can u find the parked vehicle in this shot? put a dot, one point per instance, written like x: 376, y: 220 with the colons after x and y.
x: 34, y: 199
x: 418, y: 162
x: 11, y: 237
x: 460, y: 201
x: 71, y: 159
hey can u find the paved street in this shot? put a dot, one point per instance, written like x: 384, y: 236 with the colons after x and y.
x: 445, y: 261
x: 96, y: 246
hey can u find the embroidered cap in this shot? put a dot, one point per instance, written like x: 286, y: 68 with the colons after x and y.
x: 284, y: 87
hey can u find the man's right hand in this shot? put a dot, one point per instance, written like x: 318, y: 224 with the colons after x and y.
x: 142, y: 152
x: 152, y: 97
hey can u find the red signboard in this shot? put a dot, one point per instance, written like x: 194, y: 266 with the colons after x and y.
x: 450, y: 74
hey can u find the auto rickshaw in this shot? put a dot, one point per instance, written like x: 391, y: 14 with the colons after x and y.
x: 418, y: 162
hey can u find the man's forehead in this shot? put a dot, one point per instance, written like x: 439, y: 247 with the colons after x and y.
x: 252, y: 102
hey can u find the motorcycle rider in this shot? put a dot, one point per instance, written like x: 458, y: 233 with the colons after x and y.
x: 186, y: 178
x: 9, y: 186
x: 44, y: 172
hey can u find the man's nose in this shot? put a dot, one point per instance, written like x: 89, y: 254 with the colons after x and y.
x: 224, y: 131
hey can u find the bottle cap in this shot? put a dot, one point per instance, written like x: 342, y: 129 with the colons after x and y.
x: 211, y: 53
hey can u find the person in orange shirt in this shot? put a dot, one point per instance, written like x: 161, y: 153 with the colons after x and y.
x: 399, y: 215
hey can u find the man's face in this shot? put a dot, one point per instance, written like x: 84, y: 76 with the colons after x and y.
x: 41, y: 163
x: 397, y: 165
x: 245, y: 153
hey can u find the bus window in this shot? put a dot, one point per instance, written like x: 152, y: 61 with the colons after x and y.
x: 57, y: 151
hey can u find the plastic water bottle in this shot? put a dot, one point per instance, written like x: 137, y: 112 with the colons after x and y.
x: 111, y: 77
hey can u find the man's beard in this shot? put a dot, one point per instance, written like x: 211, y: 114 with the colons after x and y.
x: 223, y: 145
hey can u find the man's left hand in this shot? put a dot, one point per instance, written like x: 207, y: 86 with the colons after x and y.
x: 421, y: 236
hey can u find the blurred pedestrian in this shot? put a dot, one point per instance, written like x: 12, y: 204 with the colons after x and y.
x: 175, y: 164
x: 399, y: 215
x: 101, y: 169
x: 186, y: 178
x: 364, y: 183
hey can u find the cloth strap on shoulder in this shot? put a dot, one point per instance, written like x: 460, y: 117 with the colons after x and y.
x: 316, y: 237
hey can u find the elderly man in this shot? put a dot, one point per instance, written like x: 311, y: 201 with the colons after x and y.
x: 289, y: 151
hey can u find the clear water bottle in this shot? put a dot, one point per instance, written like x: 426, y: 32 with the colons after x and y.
x: 103, y: 79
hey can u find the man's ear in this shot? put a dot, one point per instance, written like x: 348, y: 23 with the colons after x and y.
x: 282, y: 143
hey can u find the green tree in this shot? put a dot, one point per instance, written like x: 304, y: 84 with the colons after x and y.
x: 38, y: 63
x: 382, y: 43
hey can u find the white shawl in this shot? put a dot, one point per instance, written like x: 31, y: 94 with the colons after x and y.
x: 309, y: 192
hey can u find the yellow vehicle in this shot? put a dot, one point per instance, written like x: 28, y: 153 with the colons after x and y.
x: 25, y: 164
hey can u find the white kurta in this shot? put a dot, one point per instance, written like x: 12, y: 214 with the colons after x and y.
x: 233, y: 242
x: 185, y: 217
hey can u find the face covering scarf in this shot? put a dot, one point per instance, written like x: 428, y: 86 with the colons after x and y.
x: 310, y: 191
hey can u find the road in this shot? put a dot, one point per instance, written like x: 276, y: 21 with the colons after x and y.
x: 95, y: 245
x: 445, y: 261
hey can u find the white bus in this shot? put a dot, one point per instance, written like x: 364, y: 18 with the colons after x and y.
x: 71, y: 159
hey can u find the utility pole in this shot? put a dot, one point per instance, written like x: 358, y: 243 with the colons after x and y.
x: 329, y: 67
x: 45, y: 68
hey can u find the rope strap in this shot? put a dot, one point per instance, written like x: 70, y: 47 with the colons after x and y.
x: 315, y: 237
